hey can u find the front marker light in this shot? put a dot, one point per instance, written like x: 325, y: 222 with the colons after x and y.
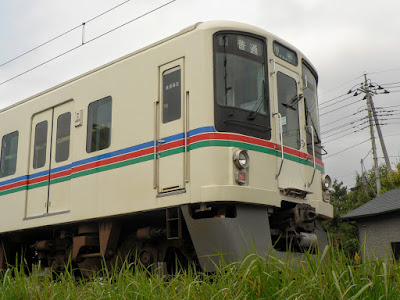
x: 241, y: 159
x: 241, y: 177
x: 326, y: 182
x: 326, y: 197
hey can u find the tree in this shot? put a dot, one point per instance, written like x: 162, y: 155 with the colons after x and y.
x: 392, y: 180
x: 344, y: 234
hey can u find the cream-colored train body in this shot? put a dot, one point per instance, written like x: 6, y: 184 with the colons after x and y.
x: 172, y: 151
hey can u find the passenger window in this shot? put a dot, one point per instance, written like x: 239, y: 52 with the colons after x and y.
x: 99, y: 125
x: 63, y: 137
x: 288, y: 101
x: 9, y: 149
x: 40, y: 146
x: 171, y: 109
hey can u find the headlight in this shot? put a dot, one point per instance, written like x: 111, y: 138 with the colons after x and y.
x: 241, y: 159
x: 326, y: 182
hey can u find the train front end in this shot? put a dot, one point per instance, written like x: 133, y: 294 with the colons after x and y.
x: 260, y: 182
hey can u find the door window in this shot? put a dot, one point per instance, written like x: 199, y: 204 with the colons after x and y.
x: 40, y: 146
x: 289, y: 109
x: 171, y: 109
x: 63, y: 137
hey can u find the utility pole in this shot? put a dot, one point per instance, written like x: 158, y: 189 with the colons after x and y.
x: 371, y: 129
x: 369, y: 90
x: 364, y: 179
x: 371, y: 109
x: 378, y: 129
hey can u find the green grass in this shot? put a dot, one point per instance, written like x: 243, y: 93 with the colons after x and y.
x: 328, y: 275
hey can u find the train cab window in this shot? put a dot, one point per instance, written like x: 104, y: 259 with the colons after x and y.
x: 311, y: 110
x: 288, y: 101
x: 171, y: 109
x: 99, y: 125
x: 240, y: 84
x: 63, y: 137
x: 40, y: 146
x: 9, y: 149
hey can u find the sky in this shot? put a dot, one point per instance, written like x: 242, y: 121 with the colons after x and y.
x: 343, y: 40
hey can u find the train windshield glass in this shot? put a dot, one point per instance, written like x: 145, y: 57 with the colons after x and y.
x: 311, y: 110
x: 240, y: 84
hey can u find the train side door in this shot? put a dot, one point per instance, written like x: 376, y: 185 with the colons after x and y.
x: 291, y: 172
x: 49, y: 163
x: 61, y: 159
x: 171, y: 137
x: 39, y: 164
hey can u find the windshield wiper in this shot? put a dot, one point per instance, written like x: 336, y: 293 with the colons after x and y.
x: 291, y: 103
x: 259, y: 104
x: 257, y: 107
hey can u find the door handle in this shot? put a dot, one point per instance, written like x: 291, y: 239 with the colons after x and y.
x: 281, y: 140
x: 313, y: 152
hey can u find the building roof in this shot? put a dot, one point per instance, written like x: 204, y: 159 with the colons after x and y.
x: 385, y: 203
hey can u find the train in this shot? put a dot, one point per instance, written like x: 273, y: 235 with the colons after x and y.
x: 197, y: 149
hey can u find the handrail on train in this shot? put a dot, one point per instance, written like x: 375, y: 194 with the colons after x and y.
x: 281, y: 138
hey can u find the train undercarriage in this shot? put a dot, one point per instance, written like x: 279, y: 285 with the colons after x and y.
x: 187, y: 236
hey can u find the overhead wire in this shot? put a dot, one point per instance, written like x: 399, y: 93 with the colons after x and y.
x: 384, y: 71
x: 369, y: 152
x: 331, y: 111
x: 333, y: 99
x: 381, y: 123
x: 89, y: 41
x: 340, y: 119
x: 354, y: 127
x: 348, y: 148
x: 62, y: 34
x: 332, y: 104
x: 390, y: 83
x: 342, y: 136
x: 341, y: 85
x: 341, y: 126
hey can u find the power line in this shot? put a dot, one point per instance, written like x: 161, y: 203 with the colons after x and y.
x: 331, y: 111
x: 325, y: 102
x: 62, y: 34
x: 369, y: 152
x: 383, y: 107
x: 340, y: 119
x: 93, y: 39
x: 391, y: 83
x: 341, y: 126
x: 348, y: 148
x: 341, y: 85
x: 332, y: 132
x: 357, y: 130
x: 384, y: 71
x: 342, y: 136
x: 324, y: 107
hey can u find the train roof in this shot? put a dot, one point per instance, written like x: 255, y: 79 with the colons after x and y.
x: 219, y: 25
